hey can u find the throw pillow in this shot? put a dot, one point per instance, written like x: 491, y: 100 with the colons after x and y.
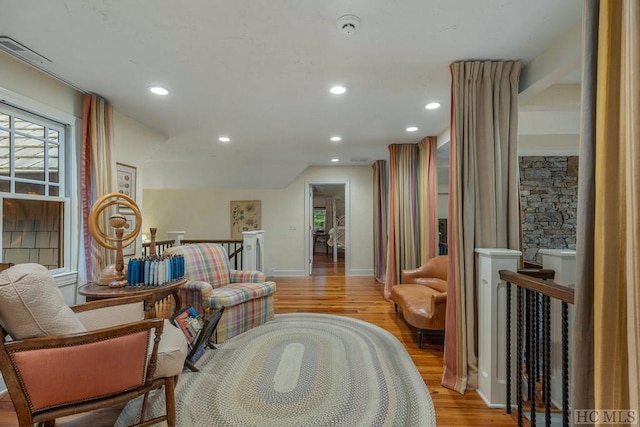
x: 31, y: 305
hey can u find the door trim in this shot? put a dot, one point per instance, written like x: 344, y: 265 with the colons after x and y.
x: 308, y: 226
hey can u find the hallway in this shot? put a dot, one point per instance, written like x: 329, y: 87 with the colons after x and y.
x: 323, y: 264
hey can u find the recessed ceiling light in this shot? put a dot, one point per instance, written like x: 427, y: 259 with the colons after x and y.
x: 335, y: 160
x: 336, y: 138
x: 224, y: 139
x: 411, y: 129
x: 338, y: 90
x: 158, y: 90
x: 432, y: 105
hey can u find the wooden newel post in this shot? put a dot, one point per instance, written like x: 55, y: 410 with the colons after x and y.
x: 152, y: 244
x: 120, y: 279
x: 119, y: 255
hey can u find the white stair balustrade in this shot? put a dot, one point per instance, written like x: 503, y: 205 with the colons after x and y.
x: 253, y: 250
x: 176, y: 236
x: 563, y: 262
x: 492, y: 323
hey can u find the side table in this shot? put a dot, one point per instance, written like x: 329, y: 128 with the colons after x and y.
x: 92, y: 291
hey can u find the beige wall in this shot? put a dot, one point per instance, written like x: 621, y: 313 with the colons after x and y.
x: 133, y: 141
x: 35, y: 85
x: 205, y: 214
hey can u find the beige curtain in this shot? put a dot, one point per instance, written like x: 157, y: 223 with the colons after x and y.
x: 582, y: 366
x: 617, y: 208
x: 403, y: 244
x: 428, y: 199
x: 484, y: 206
x: 380, y: 206
x: 98, y: 175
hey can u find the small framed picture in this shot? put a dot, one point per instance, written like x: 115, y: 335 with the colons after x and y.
x: 245, y: 215
x: 128, y: 228
x: 126, y: 181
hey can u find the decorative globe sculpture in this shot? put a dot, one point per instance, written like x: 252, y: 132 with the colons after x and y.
x: 114, y: 275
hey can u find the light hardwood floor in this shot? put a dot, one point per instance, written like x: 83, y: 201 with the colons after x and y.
x: 329, y: 291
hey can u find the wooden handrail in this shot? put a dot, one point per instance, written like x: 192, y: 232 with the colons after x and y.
x: 540, y: 273
x: 158, y: 243
x: 545, y: 287
x: 188, y: 242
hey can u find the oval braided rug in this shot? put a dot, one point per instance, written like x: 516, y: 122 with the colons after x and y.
x: 301, y: 370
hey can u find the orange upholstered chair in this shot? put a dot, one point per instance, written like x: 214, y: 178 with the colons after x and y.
x: 422, y: 295
x: 58, y: 360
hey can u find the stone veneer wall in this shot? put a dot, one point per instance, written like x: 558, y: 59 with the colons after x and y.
x: 549, y: 199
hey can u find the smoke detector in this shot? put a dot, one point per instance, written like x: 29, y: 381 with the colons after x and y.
x: 348, y: 24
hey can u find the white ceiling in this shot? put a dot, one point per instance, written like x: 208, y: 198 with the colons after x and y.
x: 259, y: 71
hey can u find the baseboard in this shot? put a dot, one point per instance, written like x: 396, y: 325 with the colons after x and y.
x: 288, y: 273
x: 300, y: 273
x: 361, y: 272
x: 487, y: 402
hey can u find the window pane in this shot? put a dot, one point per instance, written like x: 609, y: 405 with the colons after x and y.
x: 5, y: 186
x: 4, y: 120
x: 319, y: 218
x: 54, y: 163
x: 28, y: 128
x: 54, y: 190
x: 29, y: 159
x: 33, y: 232
x: 29, y: 188
x: 54, y: 135
x: 5, y: 153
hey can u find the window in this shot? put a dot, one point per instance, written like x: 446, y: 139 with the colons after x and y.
x: 32, y: 188
x: 319, y: 218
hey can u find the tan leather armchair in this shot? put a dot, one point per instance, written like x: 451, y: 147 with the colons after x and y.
x: 422, y: 295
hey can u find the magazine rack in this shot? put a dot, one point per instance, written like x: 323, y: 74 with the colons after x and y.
x: 197, y: 331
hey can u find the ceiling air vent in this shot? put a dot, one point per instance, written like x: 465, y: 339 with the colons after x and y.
x: 11, y: 46
x: 359, y: 159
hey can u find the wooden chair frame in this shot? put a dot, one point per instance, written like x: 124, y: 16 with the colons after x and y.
x: 19, y: 393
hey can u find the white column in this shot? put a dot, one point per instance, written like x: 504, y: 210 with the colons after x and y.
x: 563, y: 262
x: 492, y: 321
x: 177, y: 236
x: 253, y: 250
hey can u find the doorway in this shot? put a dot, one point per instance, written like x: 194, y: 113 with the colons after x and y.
x: 327, y: 213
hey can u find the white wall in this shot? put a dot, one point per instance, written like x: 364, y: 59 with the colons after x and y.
x: 28, y: 86
x: 133, y: 141
x: 33, y: 84
x: 204, y: 213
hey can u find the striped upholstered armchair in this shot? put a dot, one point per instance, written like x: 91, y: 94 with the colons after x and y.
x: 246, y: 296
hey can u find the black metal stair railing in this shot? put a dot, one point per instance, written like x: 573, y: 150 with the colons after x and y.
x: 534, y: 293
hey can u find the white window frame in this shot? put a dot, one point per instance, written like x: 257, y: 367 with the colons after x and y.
x: 68, y: 173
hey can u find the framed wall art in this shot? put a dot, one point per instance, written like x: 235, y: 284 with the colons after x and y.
x: 128, y: 227
x: 246, y: 215
x: 126, y: 180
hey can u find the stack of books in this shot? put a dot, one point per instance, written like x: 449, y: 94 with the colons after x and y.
x: 155, y: 271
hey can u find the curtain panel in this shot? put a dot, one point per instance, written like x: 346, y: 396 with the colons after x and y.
x: 428, y: 198
x: 484, y: 205
x: 412, y: 208
x: 582, y: 357
x: 97, y: 176
x: 616, y: 256
x: 403, y: 244
x: 380, y: 206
